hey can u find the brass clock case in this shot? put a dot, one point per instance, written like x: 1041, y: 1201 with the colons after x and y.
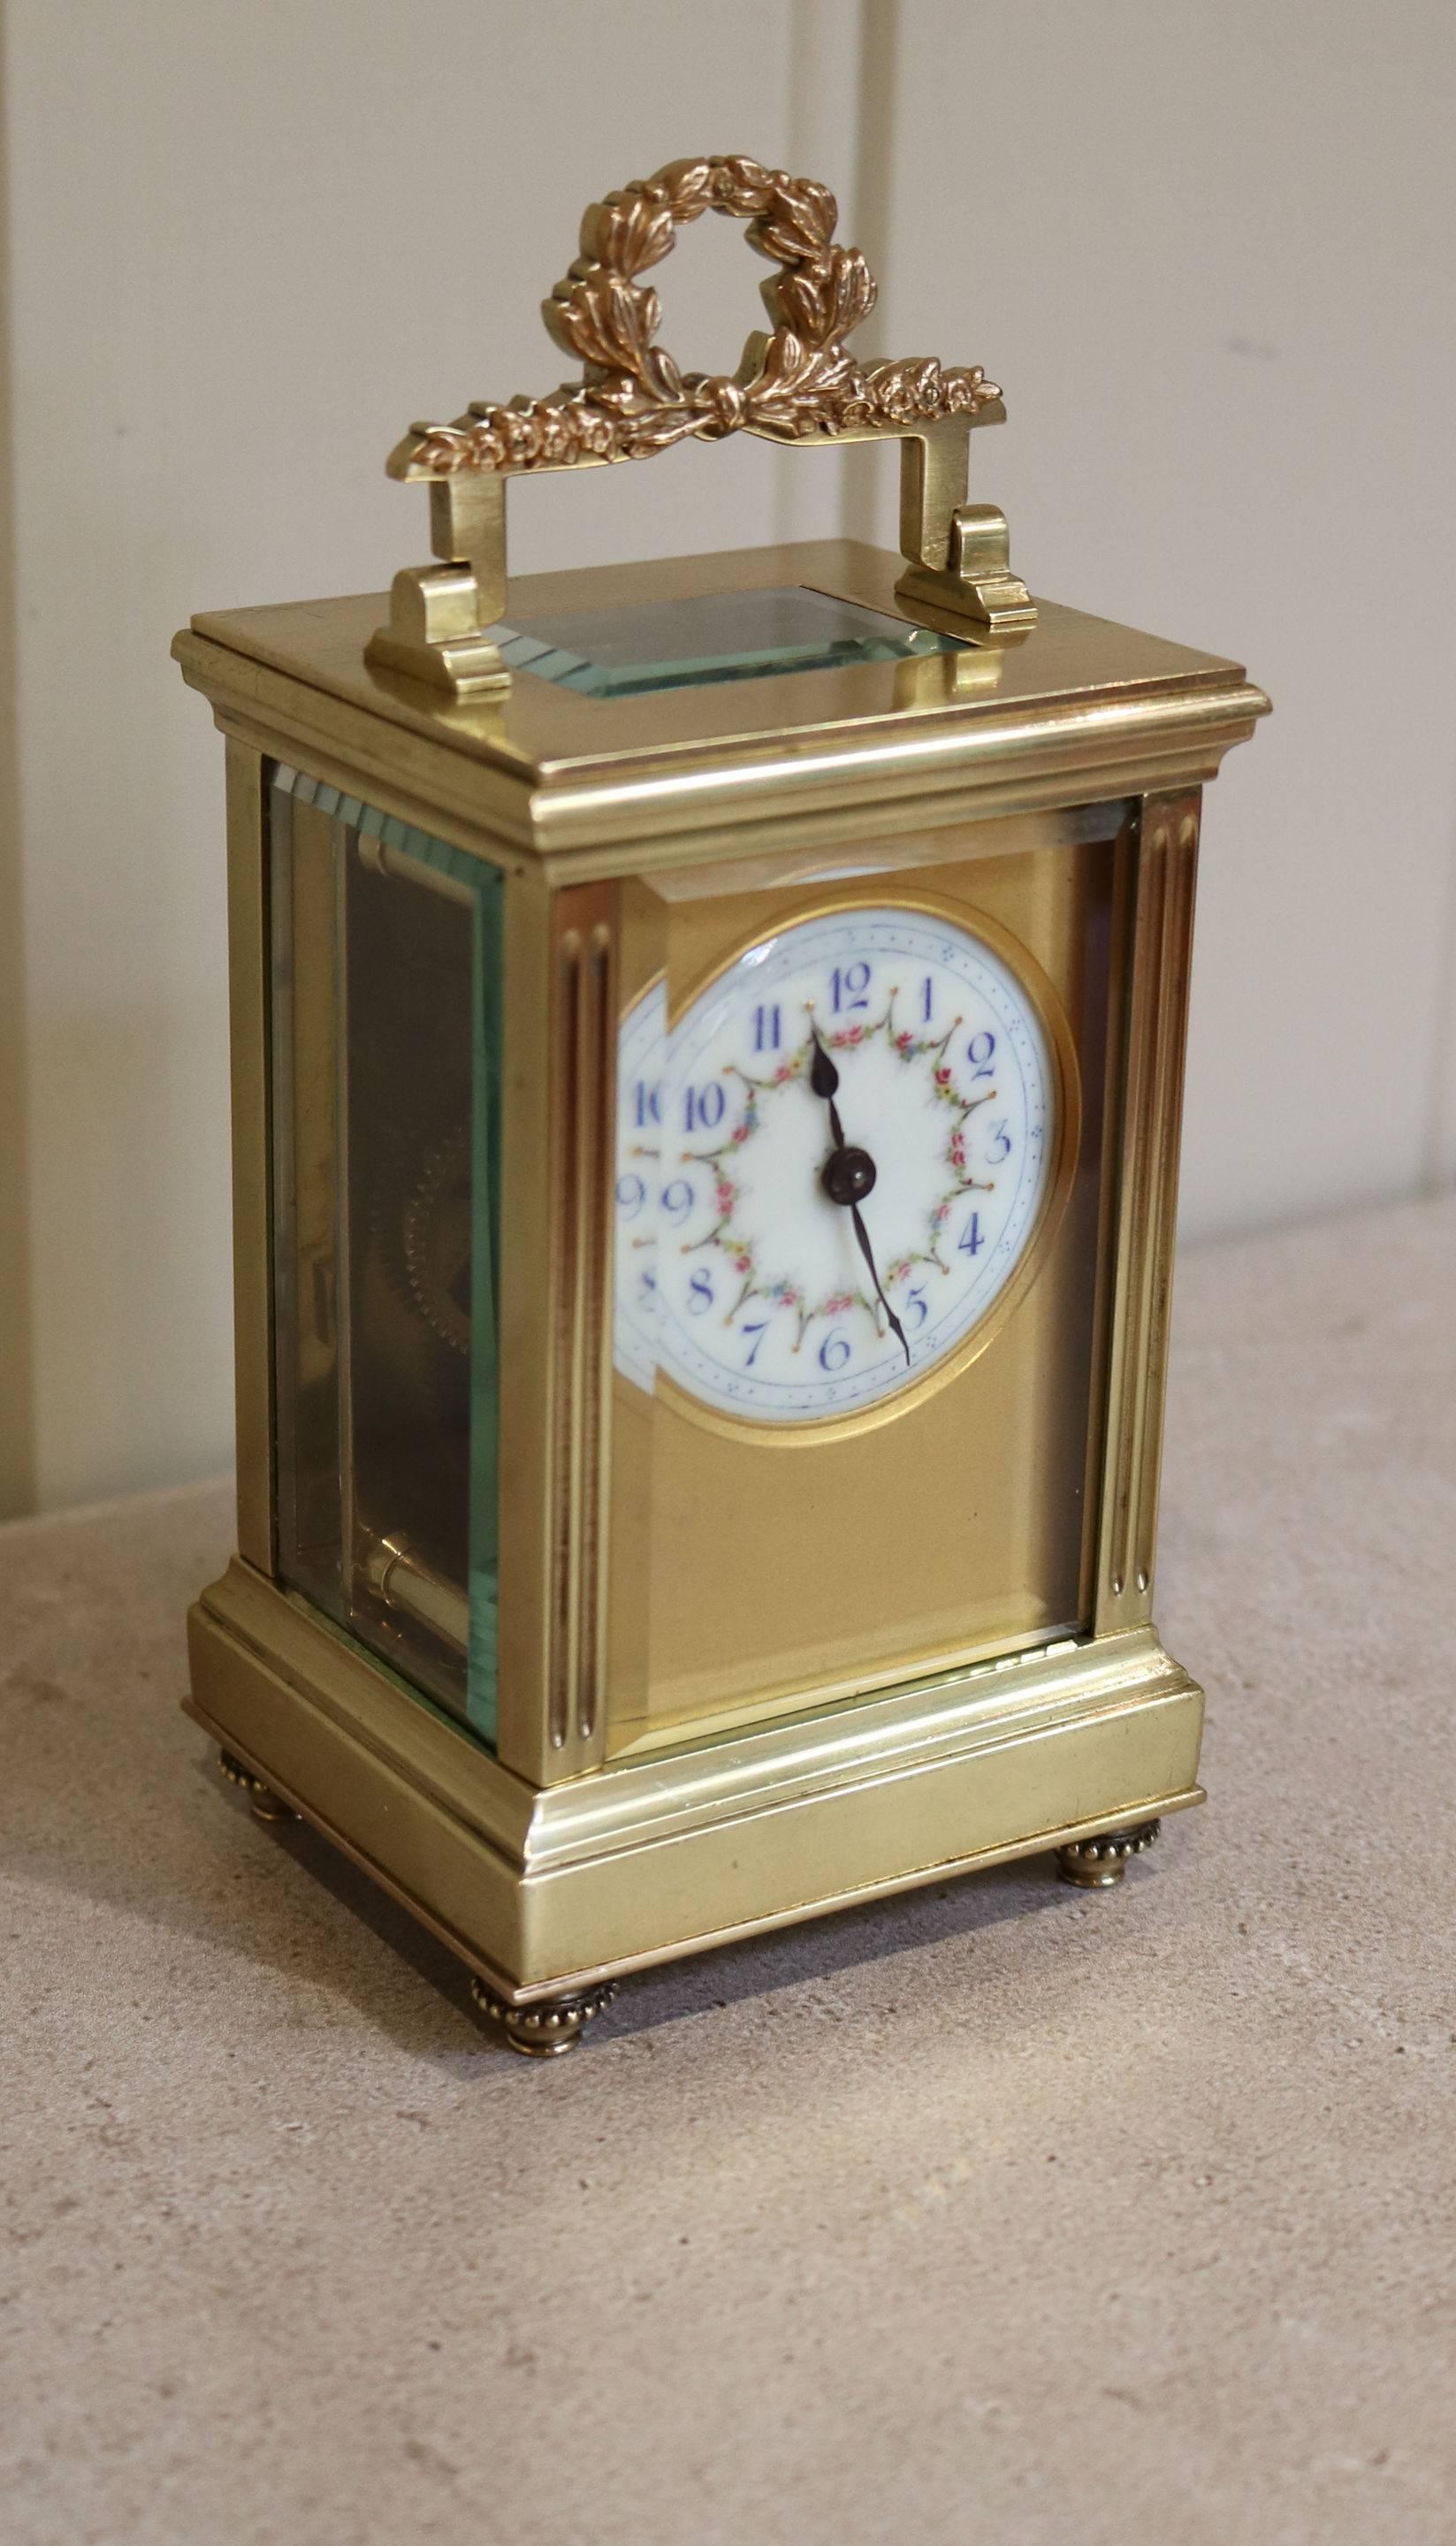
x: 682, y: 1744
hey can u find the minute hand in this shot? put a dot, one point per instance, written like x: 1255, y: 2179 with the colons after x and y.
x: 847, y: 1173
x: 862, y: 1234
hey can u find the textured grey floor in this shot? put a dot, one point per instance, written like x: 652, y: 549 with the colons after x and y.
x: 1002, y: 2212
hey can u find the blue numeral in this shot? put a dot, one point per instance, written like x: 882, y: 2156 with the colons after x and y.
x: 700, y: 1293
x: 927, y: 1000
x: 916, y: 1300
x: 632, y: 1193
x: 767, y: 1028
x: 834, y: 1350
x: 704, y: 1105
x: 677, y: 1198
x: 971, y: 1240
x: 1001, y: 1140
x: 850, y: 988
x: 760, y: 1330
x: 980, y: 1049
x: 646, y: 1104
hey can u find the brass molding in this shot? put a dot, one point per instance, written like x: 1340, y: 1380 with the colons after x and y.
x: 254, y: 1381
x: 594, y: 787
x: 1165, y: 873
x: 584, y: 1080
x: 798, y: 384
x: 555, y: 1358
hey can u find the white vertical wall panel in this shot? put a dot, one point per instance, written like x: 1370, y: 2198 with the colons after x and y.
x: 1209, y: 250
x: 249, y: 244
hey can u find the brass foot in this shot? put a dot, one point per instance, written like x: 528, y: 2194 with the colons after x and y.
x: 267, y: 1806
x: 1098, y: 1863
x: 549, y: 2027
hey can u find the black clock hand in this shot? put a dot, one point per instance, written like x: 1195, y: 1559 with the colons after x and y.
x: 862, y: 1234
x: 848, y: 1174
x: 823, y: 1079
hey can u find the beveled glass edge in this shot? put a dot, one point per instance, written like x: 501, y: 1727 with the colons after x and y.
x: 485, y: 885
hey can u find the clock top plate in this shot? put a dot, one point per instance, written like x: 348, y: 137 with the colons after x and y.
x: 1072, y: 710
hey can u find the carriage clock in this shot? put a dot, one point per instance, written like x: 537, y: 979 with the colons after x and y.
x: 707, y: 1053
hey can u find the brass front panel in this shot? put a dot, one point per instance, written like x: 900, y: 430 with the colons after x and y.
x: 947, y: 1525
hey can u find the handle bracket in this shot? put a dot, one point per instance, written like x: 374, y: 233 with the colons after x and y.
x: 797, y: 385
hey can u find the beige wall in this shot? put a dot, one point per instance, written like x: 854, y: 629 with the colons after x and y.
x: 1207, y: 248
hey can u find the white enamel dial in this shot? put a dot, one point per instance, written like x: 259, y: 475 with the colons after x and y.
x: 738, y: 1276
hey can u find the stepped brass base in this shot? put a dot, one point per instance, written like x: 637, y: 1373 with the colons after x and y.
x: 548, y: 1894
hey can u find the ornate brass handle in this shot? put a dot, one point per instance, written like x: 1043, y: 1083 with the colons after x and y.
x: 798, y: 383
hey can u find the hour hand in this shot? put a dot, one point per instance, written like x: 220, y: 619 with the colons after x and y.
x: 823, y: 1079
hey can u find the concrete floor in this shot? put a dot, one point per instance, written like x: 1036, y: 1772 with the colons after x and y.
x: 1002, y: 2212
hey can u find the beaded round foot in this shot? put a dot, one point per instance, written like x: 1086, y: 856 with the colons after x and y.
x: 549, y: 2027
x: 1098, y: 1863
x: 267, y: 1806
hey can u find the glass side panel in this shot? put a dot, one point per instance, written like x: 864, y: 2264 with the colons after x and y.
x: 386, y: 1009
x: 708, y: 637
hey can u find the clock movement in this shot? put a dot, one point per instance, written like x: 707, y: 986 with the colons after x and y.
x: 706, y: 1049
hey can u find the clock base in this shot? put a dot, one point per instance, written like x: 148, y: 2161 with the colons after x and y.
x: 545, y: 1893
x: 1095, y: 1864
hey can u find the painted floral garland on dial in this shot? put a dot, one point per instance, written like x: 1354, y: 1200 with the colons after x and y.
x: 761, y: 1302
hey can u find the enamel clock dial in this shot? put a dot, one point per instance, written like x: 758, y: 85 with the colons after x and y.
x: 838, y: 1170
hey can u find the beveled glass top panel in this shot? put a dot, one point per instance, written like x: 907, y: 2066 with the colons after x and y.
x: 701, y: 638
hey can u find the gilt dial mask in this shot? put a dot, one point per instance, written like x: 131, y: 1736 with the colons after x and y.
x: 838, y: 1170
